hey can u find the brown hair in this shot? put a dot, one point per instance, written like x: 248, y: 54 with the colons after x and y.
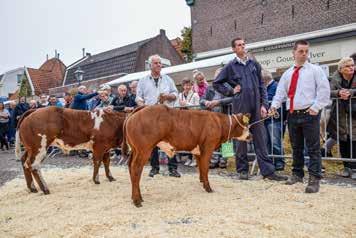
x: 186, y: 81
x: 233, y: 41
x: 300, y: 42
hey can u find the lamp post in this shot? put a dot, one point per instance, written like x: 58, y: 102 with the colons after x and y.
x: 79, y: 75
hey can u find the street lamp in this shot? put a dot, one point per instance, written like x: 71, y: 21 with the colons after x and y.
x: 79, y: 75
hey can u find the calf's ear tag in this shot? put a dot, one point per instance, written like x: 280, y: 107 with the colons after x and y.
x: 245, y: 119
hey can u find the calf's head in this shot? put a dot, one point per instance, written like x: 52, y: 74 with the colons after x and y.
x: 240, y: 129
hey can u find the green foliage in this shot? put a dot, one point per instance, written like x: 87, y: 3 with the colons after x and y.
x: 187, y: 43
x: 25, y: 88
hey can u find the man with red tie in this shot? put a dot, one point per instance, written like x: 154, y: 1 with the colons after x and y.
x: 306, y: 89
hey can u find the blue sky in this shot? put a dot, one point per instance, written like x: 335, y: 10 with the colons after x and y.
x: 32, y: 29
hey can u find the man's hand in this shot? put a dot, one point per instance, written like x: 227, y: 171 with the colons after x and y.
x: 211, y: 104
x: 272, y: 111
x: 263, y: 112
x: 312, y: 112
x: 128, y: 109
x: 344, y: 94
x: 237, y: 88
x: 166, y: 97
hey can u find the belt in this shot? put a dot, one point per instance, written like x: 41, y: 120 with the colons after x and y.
x: 299, y: 112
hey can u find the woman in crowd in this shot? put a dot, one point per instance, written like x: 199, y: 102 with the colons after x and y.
x: 188, y: 98
x: 201, y: 84
x: 343, y: 87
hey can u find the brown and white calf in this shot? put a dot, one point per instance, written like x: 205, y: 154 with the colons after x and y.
x: 69, y: 130
x: 200, y: 132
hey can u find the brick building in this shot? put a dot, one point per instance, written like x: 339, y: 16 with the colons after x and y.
x: 109, y: 65
x: 271, y: 27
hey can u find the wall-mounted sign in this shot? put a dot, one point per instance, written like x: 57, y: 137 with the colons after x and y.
x: 319, y: 52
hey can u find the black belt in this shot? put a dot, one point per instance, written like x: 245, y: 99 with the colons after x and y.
x: 299, y: 112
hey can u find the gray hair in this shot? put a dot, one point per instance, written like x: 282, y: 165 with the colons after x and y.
x: 343, y: 62
x: 266, y: 75
x: 152, y: 57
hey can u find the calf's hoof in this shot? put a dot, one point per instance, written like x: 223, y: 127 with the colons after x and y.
x: 208, y: 189
x: 46, y: 192
x: 137, y: 203
x: 111, y: 179
x: 33, y: 190
x: 96, y: 182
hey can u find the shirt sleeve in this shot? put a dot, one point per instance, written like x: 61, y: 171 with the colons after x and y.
x: 322, y: 90
x: 139, y: 94
x: 281, y: 92
x: 172, y: 87
x: 219, y: 83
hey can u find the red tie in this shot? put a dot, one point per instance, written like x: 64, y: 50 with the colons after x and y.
x: 293, y: 87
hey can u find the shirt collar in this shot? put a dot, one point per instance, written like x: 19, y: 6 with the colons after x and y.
x: 239, y: 60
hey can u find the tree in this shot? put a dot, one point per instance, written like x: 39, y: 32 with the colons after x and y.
x: 187, y: 43
x: 25, y: 89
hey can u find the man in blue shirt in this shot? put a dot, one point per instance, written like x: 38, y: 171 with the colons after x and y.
x: 245, y: 84
x: 306, y: 89
x: 152, y: 89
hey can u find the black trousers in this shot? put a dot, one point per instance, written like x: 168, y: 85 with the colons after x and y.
x: 4, y: 127
x: 304, y: 126
x: 345, y: 151
x: 172, y: 162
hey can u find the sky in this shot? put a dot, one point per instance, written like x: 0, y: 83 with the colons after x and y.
x: 31, y: 29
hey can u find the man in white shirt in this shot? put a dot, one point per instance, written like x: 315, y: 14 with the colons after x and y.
x: 152, y: 89
x: 306, y: 89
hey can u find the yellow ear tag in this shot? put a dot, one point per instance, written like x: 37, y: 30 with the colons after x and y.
x: 245, y: 119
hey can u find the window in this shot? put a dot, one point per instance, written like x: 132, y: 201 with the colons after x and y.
x: 19, y: 77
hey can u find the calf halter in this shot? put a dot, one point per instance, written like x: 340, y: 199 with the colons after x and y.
x: 230, y: 124
x: 270, y: 115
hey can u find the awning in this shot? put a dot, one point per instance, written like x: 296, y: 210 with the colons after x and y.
x: 216, y: 61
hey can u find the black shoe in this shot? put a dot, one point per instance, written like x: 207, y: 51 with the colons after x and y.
x: 243, y: 175
x: 279, y: 167
x: 276, y: 177
x: 153, y: 172
x: 174, y: 173
x: 313, y: 185
x: 294, y: 179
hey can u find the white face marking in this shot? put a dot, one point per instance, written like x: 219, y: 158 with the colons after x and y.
x: 42, y: 151
x: 98, y: 119
x: 66, y: 148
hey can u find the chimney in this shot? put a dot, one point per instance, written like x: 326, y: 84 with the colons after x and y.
x: 162, y: 32
x: 55, y: 53
x: 46, y: 57
x: 83, y: 50
x: 88, y: 54
x: 58, y: 56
